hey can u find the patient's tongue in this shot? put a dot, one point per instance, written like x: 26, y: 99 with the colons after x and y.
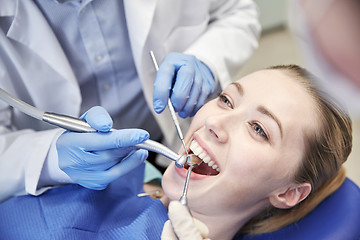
x: 204, y: 169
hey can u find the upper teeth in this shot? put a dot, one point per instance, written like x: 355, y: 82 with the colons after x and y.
x: 199, y: 151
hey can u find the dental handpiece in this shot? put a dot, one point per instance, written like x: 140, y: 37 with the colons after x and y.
x: 171, y: 109
x: 78, y: 125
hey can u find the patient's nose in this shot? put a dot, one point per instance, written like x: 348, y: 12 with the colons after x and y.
x: 216, y: 127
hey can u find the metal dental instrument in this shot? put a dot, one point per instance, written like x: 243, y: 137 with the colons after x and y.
x: 171, y: 108
x: 192, y: 161
x: 195, y: 162
x: 78, y: 125
x: 153, y: 194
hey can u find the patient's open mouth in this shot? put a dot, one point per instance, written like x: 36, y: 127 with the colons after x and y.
x: 208, y: 166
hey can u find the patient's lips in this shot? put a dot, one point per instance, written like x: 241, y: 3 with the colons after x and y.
x: 208, y: 167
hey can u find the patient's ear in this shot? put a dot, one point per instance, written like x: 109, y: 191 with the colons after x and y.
x: 290, y: 197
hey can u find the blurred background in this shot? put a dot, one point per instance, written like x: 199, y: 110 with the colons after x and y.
x: 279, y: 45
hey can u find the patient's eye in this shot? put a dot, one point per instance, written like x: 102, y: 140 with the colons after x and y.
x: 258, y: 130
x: 223, y: 99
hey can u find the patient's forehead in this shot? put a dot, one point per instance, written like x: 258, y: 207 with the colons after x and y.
x: 267, y: 77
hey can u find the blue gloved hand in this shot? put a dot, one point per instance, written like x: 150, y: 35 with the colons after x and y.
x: 94, y: 160
x: 187, y: 80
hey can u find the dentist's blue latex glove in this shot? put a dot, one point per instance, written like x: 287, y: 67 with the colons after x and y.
x: 94, y: 160
x: 187, y: 80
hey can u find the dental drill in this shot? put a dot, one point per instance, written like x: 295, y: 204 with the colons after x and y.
x: 78, y: 125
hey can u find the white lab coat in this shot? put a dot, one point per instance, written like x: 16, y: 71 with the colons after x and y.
x: 34, y: 68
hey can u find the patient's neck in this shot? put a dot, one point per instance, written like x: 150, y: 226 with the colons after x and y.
x: 222, y: 228
x: 227, y: 225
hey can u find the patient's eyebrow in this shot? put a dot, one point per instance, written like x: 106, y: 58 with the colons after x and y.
x: 238, y: 87
x: 262, y: 109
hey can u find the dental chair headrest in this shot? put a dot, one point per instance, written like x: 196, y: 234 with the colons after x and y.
x: 337, y: 217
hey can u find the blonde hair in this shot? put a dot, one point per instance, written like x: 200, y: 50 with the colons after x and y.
x: 326, y: 150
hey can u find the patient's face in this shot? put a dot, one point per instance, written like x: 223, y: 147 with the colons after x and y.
x: 254, y: 134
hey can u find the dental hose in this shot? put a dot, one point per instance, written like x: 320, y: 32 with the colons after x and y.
x: 20, y: 105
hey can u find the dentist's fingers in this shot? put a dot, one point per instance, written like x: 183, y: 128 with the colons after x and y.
x: 99, y: 180
x: 192, y: 98
x: 186, y: 80
x: 98, y: 118
x: 168, y: 232
x: 103, y: 141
